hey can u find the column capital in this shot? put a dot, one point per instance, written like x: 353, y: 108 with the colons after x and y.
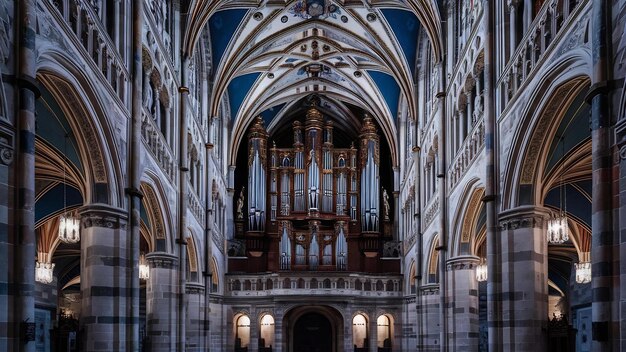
x: 162, y: 260
x: 103, y: 215
x: 194, y: 288
x: 523, y: 217
x: 463, y: 262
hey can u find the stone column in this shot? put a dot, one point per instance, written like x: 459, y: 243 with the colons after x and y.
x: 183, y: 174
x: 106, y: 267
x: 24, y: 222
x: 604, y: 328
x: 161, y: 293
x: 512, y: 27
x: 428, y: 336
x: 494, y: 284
x: 524, y: 296
x: 133, y: 182
x: 463, y: 303
x: 195, y: 317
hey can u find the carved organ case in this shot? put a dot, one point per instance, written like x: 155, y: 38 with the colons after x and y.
x: 312, y: 206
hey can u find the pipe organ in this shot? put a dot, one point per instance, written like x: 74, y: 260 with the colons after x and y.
x: 324, y: 201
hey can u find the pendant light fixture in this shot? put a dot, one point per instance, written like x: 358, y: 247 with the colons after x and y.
x: 558, y: 228
x: 481, y: 270
x: 144, y: 269
x: 69, y: 226
x: 583, y: 269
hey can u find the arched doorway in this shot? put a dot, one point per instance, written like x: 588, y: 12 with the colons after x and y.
x: 313, y: 332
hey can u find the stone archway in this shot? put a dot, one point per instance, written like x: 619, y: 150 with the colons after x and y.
x: 312, y: 332
x: 313, y: 329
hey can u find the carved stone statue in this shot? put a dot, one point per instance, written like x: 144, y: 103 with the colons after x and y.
x: 240, y: 205
x: 386, y: 204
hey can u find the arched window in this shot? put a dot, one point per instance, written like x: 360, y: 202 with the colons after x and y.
x: 242, y: 332
x: 383, y: 325
x: 267, y: 332
x: 359, y: 333
x: 215, y: 276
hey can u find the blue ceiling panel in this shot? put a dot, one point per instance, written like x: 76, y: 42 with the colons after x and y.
x: 390, y: 90
x: 405, y: 26
x: 223, y: 25
x: 52, y: 201
x: 238, y: 89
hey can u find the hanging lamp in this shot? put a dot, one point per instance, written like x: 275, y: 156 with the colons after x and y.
x: 69, y: 226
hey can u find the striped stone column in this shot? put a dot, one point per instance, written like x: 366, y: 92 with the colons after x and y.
x: 524, y: 266
x: 161, y: 301
x: 602, y: 327
x: 462, y: 307
x: 106, y: 286
x: 195, y: 317
x: 428, y: 337
x: 24, y: 286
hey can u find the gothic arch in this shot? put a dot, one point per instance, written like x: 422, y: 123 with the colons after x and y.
x: 158, y: 212
x: 85, y: 109
x: 432, y: 261
x: 465, y: 219
x: 537, y: 124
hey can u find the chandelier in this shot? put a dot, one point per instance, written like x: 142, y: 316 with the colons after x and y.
x: 69, y: 226
x: 583, y: 269
x: 481, y: 271
x: 558, y: 228
x: 44, y: 272
x: 144, y: 269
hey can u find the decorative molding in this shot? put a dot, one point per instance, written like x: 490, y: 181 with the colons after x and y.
x: 155, y: 210
x: 162, y: 260
x: 429, y: 290
x: 523, y: 217
x: 537, y: 141
x: 194, y: 288
x: 431, y: 211
x: 83, y: 120
x: 103, y: 216
x: 471, y: 214
x: 468, y: 262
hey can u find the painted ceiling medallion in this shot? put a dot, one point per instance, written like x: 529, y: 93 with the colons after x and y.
x: 308, y: 9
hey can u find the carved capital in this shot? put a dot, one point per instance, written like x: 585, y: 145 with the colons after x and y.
x: 466, y: 262
x: 162, y: 260
x: 523, y: 217
x: 194, y: 289
x: 103, y: 216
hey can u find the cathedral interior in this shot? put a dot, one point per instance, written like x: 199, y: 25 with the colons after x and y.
x: 312, y: 175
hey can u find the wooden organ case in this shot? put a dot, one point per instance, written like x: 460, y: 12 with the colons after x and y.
x: 312, y: 207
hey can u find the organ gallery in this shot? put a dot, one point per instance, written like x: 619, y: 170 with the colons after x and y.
x: 312, y: 205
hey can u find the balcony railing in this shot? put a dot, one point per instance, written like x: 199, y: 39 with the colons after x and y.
x: 83, y: 21
x: 301, y: 283
x: 543, y: 35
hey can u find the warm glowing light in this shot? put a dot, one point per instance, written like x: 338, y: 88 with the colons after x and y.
x: 558, y: 230
x: 144, y: 269
x: 583, y: 272
x: 481, y: 271
x: 69, y: 229
x: 44, y: 272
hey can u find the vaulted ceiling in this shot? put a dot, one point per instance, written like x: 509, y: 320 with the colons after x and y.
x: 265, y: 55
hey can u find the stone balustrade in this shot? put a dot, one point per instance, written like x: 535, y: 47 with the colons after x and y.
x: 544, y: 34
x: 311, y: 284
x: 466, y: 155
x: 157, y: 145
x: 83, y: 20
